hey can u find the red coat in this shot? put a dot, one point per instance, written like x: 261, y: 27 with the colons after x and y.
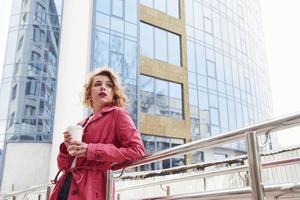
x: 112, y: 138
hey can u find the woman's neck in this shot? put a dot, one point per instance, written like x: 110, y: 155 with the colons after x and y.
x: 97, y: 108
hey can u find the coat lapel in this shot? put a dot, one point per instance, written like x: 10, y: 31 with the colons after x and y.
x: 96, y: 116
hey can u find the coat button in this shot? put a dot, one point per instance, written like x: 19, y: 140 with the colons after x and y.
x: 98, y: 157
x: 74, y: 192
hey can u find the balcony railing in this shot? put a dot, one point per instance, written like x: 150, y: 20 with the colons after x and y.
x: 256, y: 190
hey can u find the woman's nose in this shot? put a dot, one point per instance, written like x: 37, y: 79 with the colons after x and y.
x: 102, y: 87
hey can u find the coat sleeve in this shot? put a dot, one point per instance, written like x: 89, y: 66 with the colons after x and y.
x: 64, y: 160
x: 132, y: 146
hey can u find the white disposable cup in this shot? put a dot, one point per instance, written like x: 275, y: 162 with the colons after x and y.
x: 76, y: 132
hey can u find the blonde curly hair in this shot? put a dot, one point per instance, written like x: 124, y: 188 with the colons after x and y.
x: 119, y: 97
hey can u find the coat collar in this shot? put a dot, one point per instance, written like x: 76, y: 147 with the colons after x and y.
x: 86, y: 121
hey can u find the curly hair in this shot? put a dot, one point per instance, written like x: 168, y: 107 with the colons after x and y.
x: 119, y: 97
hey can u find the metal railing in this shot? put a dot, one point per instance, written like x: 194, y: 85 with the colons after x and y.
x: 39, y: 191
x: 250, y: 134
x: 257, y: 191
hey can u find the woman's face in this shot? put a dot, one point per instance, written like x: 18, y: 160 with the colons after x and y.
x: 101, y: 91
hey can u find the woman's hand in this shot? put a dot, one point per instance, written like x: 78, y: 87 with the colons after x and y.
x: 67, y: 139
x: 78, y: 149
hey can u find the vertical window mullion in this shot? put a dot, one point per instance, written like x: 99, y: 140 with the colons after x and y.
x: 169, y: 101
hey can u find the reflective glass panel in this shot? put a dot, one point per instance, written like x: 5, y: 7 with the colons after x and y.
x: 116, y: 62
x: 130, y: 59
x: 118, y: 6
x: 174, y: 56
x: 161, y: 44
x: 103, y: 6
x: 160, y: 5
x: 147, y: 94
x: 101, y: 49
x: 200, y: 57
x: 173, y: 8
x: 102, y: 20
x: 131, y: 11
x: 191, y: 58
x: 162, y: 100
x: 116, y: 44
x: 147, y: 40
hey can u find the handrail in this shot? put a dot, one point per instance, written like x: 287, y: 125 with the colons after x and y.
x: 271, y: 125
x: 243, y: 168
x: 248, y: 133
x: 36, y: 189
x: 270, y: 190
x: 232, y: 160
x: 268, y: 126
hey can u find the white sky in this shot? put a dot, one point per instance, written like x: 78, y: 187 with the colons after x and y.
x: 5, y: 7
x: 282, y: 36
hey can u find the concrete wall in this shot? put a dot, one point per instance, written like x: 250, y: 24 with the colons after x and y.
x: 74, y: 62
x: 26, y: 164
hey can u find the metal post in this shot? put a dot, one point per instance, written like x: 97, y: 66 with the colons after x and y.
x: 254, y: 166
x: 109, y: 185
x: 48, y: 192
x: 168, y: 190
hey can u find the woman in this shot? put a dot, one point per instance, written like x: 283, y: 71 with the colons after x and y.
x: 110, y: 136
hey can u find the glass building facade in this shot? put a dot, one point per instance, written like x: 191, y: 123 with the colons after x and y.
x: 202, y: 80
x: 228, y: 77
x: 30, y: 70
x: 28, y: 84
x: 115, y: 43
x: 228, y: 85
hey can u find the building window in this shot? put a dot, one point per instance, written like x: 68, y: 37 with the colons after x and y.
x: 16, y: 68
x: 170, y: 7
x: 147, y: 94
x: 160, y: 44
x: 198, y: 157
x: 155, y: 144
x: 208, y: 25
x: 11, y: 119
x: 43, y: 89
x: 35, y: 62
x: 174, y: 47
x: 29, y: 115
x: 161, y: 97
x: 211, y: 68
x: 147, y: 45
x: 220, y: 157
x: 116, y: 62
x: 101, y: 49
x: 32, y: 86
x: 25, y: 2
x: 14, y: 92
x: 24, y: 18
x: 40, y: 14
x: 118, y: 8
x: 38, y: 35
x: 20, y: 43
x: 41, y: 108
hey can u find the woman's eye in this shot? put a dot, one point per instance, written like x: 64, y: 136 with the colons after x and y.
x: 109, y: 85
